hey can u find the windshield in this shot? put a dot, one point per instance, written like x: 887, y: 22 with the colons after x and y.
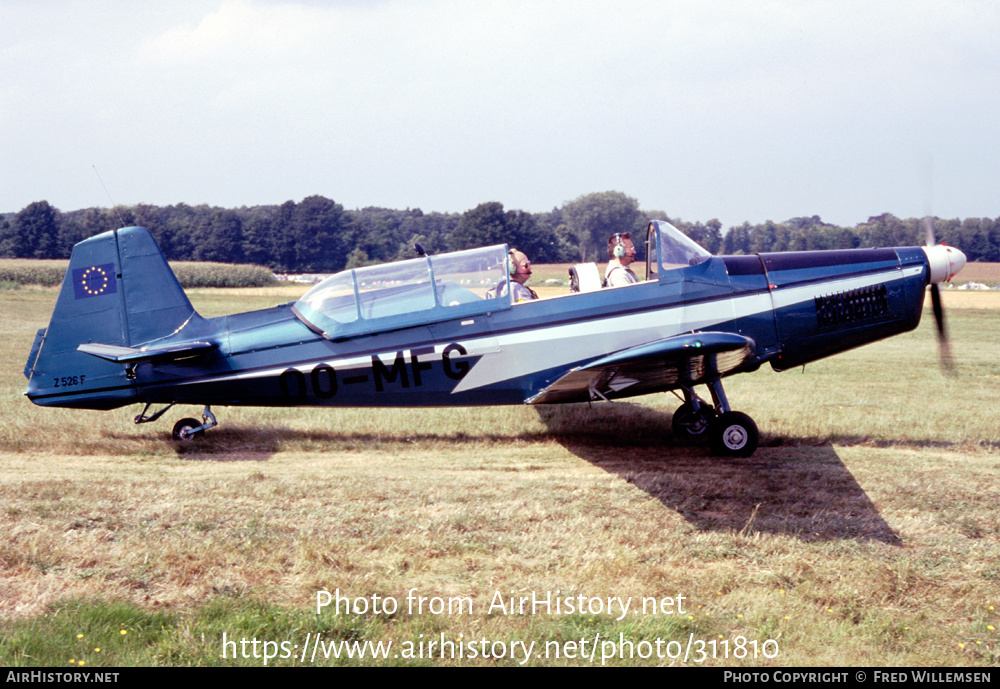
x: 670, y: 248
x: 405, y: 293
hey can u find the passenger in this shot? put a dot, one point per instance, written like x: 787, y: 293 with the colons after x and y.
x: 520, y: 273
x: 621, y: 251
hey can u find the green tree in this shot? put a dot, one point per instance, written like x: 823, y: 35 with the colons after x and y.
x: 379, y: 232
x: 280, y: 242
x: 320, y: 233
x: 488, y: 224
x: 34, y: 232
x: 887, y: 230
x: 177, y: 227
x: 974, y: 240
x: 78, y: 225
x: 221, y: 238
x: 709, y: 235
x: 737, y: 240
x: 258, y: 231
x: 7, y: 240
x: 484, y: 225
x: 357, y: 258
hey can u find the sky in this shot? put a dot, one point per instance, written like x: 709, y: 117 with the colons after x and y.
x: 741, y: 111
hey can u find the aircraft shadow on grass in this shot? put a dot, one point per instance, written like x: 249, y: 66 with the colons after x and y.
x: 796, y: 486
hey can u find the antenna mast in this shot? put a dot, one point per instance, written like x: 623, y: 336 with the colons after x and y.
x: 113, y: 204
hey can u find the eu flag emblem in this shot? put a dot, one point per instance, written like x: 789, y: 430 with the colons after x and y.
x: 94, y: 281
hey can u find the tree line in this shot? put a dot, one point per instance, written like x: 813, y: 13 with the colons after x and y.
x: 319, y: 235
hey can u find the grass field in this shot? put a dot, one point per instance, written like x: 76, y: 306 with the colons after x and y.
x: 863, y: 532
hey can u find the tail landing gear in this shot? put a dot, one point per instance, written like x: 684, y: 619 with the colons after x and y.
x: 730, y: 433
x: 185, y: 429
x: 189, y: 429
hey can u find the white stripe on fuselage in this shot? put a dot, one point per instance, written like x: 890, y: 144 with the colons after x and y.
x: 539, y: 349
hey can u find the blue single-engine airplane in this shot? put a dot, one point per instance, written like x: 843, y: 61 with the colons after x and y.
x: 430, y: 332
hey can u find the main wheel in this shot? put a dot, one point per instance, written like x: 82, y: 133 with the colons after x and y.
x: 688, y: 423
x: 734, y: 434
x: 183, y: 428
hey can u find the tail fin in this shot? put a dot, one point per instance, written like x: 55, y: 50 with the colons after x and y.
x: 118, y: 291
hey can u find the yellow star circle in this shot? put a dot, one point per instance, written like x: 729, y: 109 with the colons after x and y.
x: 95, y: 280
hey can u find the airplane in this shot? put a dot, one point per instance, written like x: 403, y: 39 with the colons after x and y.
x: 431, y: 331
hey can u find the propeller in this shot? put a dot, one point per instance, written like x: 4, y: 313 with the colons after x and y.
x: 944, y: 262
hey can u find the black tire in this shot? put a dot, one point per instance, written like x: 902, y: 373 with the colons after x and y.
x: 734, y: 434
x: 183, y: 428
x: 688, y: 423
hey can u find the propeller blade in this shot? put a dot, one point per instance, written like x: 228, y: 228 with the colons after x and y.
x: 929, y: 232
x: 944, y: 262
x: 938, y: 312
x: 944, y: 349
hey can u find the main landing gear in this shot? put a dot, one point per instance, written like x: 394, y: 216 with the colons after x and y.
x: 730, y: 433
x: 185, y: 429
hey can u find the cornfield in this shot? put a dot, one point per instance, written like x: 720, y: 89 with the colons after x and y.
x: 48, y: 273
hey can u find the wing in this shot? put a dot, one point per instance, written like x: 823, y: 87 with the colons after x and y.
x: 682, y: 360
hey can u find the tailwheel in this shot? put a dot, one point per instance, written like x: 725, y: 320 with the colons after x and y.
x: 185, y: 430
x: 188, y: 429
x: 734, y: 434
x: 689, y: 422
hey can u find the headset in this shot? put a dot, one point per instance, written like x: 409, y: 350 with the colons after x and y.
x: 619, y: 250
x: 511, y: 270
x: 512, y: 259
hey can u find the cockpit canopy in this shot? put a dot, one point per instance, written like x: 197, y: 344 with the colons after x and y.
x: 431, y: 289
x: 406, y: 293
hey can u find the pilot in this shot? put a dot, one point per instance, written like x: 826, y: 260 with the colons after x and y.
x: 621, y: 251
x: 520, y: 273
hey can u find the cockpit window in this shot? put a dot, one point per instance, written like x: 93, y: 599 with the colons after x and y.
x: 466, y: 276
x: 394, y: 289
x: 405, y: 293
x: 335, y: 298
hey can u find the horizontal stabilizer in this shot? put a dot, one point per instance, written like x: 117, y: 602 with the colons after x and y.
x: 129, y: 355
x: 682, y: 360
